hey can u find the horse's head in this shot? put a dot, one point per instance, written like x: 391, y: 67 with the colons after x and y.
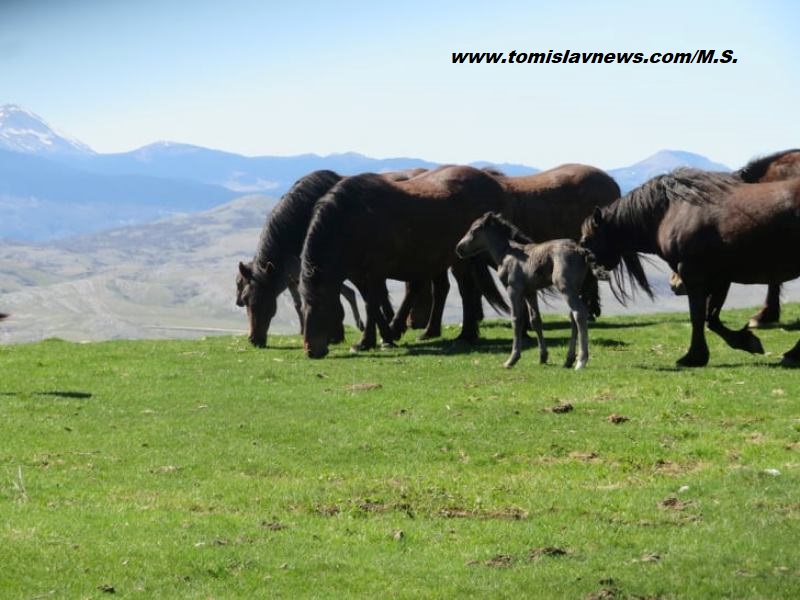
x: 473, y: 241
x: 255, y: 290
x: 322, y: 319
x: 596, y: 236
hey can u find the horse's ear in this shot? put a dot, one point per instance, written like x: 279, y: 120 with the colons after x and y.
x: 597, y: 216
x: 269, y: 268
x: 246, y: 271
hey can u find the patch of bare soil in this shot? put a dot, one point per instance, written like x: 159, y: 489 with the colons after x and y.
x: 500, y: 561
x: 510, y: 513
x: 562, y: 408
x: 617, y: 419
x: 363, y: 387
x: 673, y: 503
x: 552, y: 551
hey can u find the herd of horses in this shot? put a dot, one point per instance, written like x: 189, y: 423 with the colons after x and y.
x: 564, y: 228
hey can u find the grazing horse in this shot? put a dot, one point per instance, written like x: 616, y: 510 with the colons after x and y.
x: 712, y: 230
x: 525, y: 268
x: 775, y: 167
x: 368, y: 229
x: 276, y: 264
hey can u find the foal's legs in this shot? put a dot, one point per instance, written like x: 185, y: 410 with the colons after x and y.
x: 350, y: 295
x: 742, y: 339
x: 579, y: 317
x: 770, y: 313
x: 517, y: 309
x: 536, y: 321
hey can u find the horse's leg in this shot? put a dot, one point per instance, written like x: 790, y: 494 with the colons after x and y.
x: 372, y: 294
x: 742, y: 339
x: 697, y: 356
x: 298, y: 302
x: 770, y: 313
x: 398, y: 325
x: 441, y: 287
x: 579, y: 318
x: 517, y: 308
x: 535, y: 318
x: 419, y: 316
x: 349, y: 294
x: 470, y: 302
x: 792, y: 357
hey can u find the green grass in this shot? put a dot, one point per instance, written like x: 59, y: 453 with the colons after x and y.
x: 211, y: 469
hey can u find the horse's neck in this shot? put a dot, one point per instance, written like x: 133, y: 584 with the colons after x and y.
x: 498, y: 246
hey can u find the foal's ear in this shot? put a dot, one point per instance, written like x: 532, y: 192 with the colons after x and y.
x: 246, y: 271
x: 597, y: 216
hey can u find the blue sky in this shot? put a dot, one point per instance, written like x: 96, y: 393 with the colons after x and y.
x: 284, y: 78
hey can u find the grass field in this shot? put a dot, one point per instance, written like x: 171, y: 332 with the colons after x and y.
x: 209, y: 469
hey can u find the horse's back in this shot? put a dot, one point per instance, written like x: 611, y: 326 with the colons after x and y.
x: 554, y: 203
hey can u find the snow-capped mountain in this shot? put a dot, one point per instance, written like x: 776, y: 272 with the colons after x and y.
x: 659, y: 163
x: 23, y: 131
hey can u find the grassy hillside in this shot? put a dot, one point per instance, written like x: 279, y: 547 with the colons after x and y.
x: 211, y: 469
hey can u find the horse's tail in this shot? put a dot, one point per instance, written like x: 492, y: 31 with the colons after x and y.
x: 482, y: 275
x: 3, y: 316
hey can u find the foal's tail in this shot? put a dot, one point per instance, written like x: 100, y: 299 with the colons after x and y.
x: 482, y: 275
x: 590, y: 290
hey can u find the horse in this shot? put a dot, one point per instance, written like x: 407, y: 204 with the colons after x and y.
x: 276, y: 264
x: 775, y: 167
x: 525, y: 268
x: 368, y: 229
x: 553, y: 204
x: 712, y: 229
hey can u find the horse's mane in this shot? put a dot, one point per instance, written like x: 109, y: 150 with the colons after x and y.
x: 325, y: 228
x: 753, y: 171
x: 285, y: 228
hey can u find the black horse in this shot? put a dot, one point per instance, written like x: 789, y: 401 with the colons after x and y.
x: 712, y: 229
x: 775, y: 167
x: 368, y: 229
x: 276, y: 265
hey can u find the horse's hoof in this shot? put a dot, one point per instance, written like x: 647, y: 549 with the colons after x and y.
x: 429, y: 335
x: 569, y: 362
x: 758, y: 322
x: 790, y: 362
x: 355, y: 348
x: 387, y: 345
x: 755, y: 346
x: 689, y: 360
x: 509, y: 364
x: 580, y: 364
x: 543, y: 358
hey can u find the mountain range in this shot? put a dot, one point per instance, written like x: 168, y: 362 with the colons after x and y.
x: 53, y: 186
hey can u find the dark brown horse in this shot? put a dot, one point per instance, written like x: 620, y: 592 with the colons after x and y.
x: 553, y: 204
x: 712, y: 229
x: 775, y: 167
x: 276, y: 265
x: 367, y: 230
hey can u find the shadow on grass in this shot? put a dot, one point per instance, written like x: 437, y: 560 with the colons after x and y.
x: 65, y: 394
x: 551, y: 325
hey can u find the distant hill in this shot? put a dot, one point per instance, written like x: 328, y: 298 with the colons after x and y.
x: 661, y: 162
x: 41, y: 199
